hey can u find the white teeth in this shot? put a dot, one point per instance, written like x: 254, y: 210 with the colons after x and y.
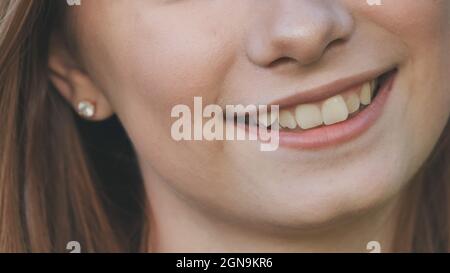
x: 353, y: 103
x: 267, y: 119
x: 366, y: 94
x: 331, y: 111
x: 308, y: 116
x: 287, y: 120
x: 334, y: 110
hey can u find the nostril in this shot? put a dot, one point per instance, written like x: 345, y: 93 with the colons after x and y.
x: 336, y: 43
x: 281, y: 61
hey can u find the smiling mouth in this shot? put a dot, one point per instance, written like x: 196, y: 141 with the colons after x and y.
x: 332, y: 110
x: 334, y: 119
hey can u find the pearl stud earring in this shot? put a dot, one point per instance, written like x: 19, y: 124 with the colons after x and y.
x: 86, y: 109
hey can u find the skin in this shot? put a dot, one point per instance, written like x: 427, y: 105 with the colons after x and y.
x: 138, y: 59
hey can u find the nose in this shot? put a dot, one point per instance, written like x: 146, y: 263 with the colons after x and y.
x: 297, y: 30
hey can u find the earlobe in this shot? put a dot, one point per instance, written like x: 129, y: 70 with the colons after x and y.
x: 87, y: 99
x: 75, y: 85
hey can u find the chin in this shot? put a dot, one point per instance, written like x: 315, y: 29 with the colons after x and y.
x: 295, y: 198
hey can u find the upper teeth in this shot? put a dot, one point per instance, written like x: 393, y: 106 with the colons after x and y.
x: 267, y: 119
x: 330, y: 111
x: 366, y: 93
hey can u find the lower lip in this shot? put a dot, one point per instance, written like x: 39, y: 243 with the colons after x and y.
x: 341, y: 132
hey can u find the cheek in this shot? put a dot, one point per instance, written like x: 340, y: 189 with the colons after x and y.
x: 162, y: 58
x: 423, y: 97
x: 168, y: 66
x: 423, y: 26
x: 173, y: 65
x: 415, y: 22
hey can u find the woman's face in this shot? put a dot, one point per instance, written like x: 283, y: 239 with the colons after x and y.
x: 148, y: 56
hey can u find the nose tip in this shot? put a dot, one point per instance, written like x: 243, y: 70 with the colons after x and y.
x: 298, y: 30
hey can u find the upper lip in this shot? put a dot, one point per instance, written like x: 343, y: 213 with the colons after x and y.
x: 330, y: 89
x: 325, y: 91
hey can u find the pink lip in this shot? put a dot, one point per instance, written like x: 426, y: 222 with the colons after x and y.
x: 330, y: 89
x: 340, y: 132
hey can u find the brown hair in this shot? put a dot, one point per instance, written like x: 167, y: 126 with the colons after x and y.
x: 56, y: 186
x: 62, y: 179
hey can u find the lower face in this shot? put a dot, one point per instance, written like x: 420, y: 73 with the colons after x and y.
x: 149, y: 56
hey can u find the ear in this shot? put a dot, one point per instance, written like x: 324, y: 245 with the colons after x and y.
x: 74, y: 84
